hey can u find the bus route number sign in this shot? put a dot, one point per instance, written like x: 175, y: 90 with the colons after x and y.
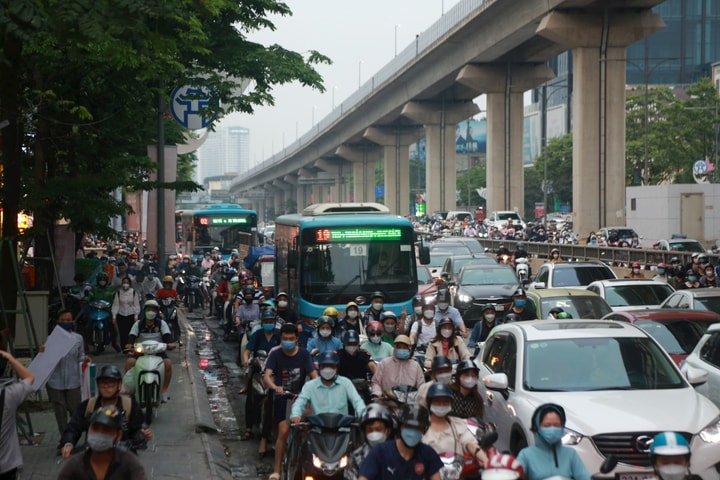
x: 323, y: 235
x: 221, y: 220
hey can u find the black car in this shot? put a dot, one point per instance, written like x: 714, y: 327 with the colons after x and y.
x: 478, y: 285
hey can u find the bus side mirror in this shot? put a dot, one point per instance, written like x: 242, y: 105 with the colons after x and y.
x: 292, y: 259
x: 424, y: 254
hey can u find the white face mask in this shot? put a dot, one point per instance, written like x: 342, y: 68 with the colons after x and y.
x: 282, y: 304
x: 352, y: 314
x: 446, y: 332
x: 468, y: 381
x: 325, y: 333
x: 443, y: 306
x: 125, y: 286
x: 373, y: 438
x: 351, y: 349
x: 429, y: 314
x: 377, y: 306
x: 150, y: 315
x: 443, y: 377
x: 327, y: 373
x: 489, y: 318
x: 672, y: 472
x: 417, y: 310
x: 376, y: 340
x: 440, y: 410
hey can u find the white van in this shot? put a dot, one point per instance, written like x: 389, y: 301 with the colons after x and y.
x: 462, y: 215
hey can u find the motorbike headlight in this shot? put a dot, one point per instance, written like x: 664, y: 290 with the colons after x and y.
x: 344, y: 461
x: 711, y: 433
x: 571, y: 437
x: 317, y: 463
x: 464, y: 298
x: 139, y: 349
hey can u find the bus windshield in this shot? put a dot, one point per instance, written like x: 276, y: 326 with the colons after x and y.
x: 225, y: 231
x: 339, y: 264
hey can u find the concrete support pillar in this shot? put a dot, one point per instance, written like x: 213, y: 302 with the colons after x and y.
x: 291, y: 195
x: 439, y: 120
x: 599, y: 42
x: 335, y: 166
x: 304, y: 190
x: 363, y: 158
x: 261, y: 210
x: 505, y: 85
x: 395, y: 142
x: 281, y: 190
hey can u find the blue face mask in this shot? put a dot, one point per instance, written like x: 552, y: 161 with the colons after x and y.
x: 410, y: 436
x: 661, y: 271
x: 65, y: 325
x: 692, y: 278
x: 288, y: 345
x: 402, y: 354
x: 552, y: 435
x: 520, y: 303
x: 268, y: 327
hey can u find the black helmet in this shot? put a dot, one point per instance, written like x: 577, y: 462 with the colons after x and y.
x: 440, y: 361
x: 109, y: 371
x: 519, y: 293
x: 375, y: 411
x: 512, y: 317
x: 109, y: 416
x: 325, y: 320
x: 248, y: 291
x: 556, y: 310
x: 445, y: 321
x: 417, y: 300
x: 443, y: 295
x: 466, y: 365
x: 328, y: 358
x: 351, y: 336
x: 438, y: 390
x: 268, y: 314
x: 488, y: 306
x: 414, y: 415
x: 102, y: 276
x: 378, y: 294
x: 543, y: 410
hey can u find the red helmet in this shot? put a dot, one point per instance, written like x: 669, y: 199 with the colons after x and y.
x: 502, y: 466
x: 636, y: 265
x: 374, y: 326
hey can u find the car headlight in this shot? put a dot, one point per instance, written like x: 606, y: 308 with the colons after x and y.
x: 711, y: 433
x: 571, y: 437
x: 463, y: 298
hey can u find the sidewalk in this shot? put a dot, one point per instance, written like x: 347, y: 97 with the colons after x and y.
x: 182, y: 446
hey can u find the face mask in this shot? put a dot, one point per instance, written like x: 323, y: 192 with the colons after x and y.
x: 489, y: 318
x: 709, y: 273
x: 375, y: 339
x: 325, y: 333
x: 352, y: 314
x: 327, y: 373
x: 249, y: 300
x: 125, y: 286
x: 373, y: 438
x: 429, y: 314
x: 102, y: 283
x: 377, y: 306
x: 661, y: 271
x: 520, y: 303
x: 151, y: 277
x: 417, y: 310
x: 468, y: 381
x: 443, y: 306
x: 443, y: 377
x: 692, y: 278
x: 100, y: 442
x: 636, y: 270
x: 351, y: 349
x: 268, y: 327
x: 288, y: 345
x: 672, y: 472
x: 440, y: 410
x: 555, y: 255
x: 282, y: 304
x: 66, y: 325
x: 446, y: 332
x: 410, y: 436
x: 552, y: 435
x: 402, y: 354
x: 150, y: 315
x: 389, y: 328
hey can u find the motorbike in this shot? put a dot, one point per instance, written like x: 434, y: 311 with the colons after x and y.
x: 457, y: 467
x: 168, y: 310
x: 99, y: 321
x: 147, y: 376
x: 522, y: 270
x: 504, y: 258
x: 193, y: 295
x: 322, y: 452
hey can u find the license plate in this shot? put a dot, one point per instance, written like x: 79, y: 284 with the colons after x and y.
x: 635, y: 476
x: 499, y: 308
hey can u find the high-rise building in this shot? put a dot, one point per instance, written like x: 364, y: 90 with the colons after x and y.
x: 226, y: 151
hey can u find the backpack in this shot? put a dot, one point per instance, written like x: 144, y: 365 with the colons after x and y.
x: 126, y: 406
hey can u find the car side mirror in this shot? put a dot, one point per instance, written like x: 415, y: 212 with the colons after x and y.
x: 424, y: 254
x: 537, y: 285
x: 695, y: 376
x: 496, y: 381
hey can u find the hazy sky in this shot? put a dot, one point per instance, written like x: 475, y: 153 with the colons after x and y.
x: 359, y: 37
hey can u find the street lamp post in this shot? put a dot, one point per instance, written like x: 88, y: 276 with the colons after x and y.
x: 397, y: 25
x: 333, y: 96
x: 543, y: 143
x: 360, y: 73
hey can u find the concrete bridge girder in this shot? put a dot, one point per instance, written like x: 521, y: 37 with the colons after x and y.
x: 363, y: 158
x: 439, y: 120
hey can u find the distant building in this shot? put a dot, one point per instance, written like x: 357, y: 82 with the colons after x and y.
x: 226, y: 151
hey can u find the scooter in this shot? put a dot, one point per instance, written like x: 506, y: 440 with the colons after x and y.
x: 148, y: 376
x: 193, y: 296
x: 457, y: 467
x: 168, y: 310
x: 99, y: 320
x: 321, y: 453
x: 522, y: 270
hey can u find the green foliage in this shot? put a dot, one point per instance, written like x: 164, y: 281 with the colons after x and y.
x: 558, y: 155
x: 472, y: 179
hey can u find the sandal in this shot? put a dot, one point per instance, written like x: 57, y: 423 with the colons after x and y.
x: 247, y: 435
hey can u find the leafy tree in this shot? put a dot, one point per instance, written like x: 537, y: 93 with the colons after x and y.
x: 558, y: 155
x: 475, y: 177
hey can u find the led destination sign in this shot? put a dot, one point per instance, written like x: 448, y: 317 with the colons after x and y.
x: 356, y: 234
x: 221, y: 220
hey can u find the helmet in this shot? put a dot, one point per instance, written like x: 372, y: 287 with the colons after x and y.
x: 230, y: 272
x: 503, y: 466
x: 328, y: 358
x: 331, y: 312
x: 702, y: 258
x: 440, y: 361
x: 234, y: 251
x: 661, y: 265
x: 519, y: 293
x: 554, y: 250
x: 444, y: 274
x: 669, y: 443
x: 417, y: 300
x: 556, y: 310
x: 109, y: 416
x: 133, y: 255
x: 466, y: 365
x: 281, y: 294
x: 636, y: 265
x: 414, y: 415
x: 564, y: 316
x: 151, y: 304
x: 520, y: 245
x: 445, y: 321
x: 167, y: 279
x: 544, y: 409
x: 375, y: 411
x: 690, y: 272
x: 428, y: 303
x: 378, y: 294
x: 187, y: 257
x: 248, y: 291
x: 268, y: 314
x: 325, y: 320
x: 674, y: 260
x: 488, y: 306
x: 102, y: 276
x: 512, y: 317
x: 109, y: 371
x: 443, y: 295
x: 351, y: 336
x: 386, y: 315
x: 374, y: 325
x: 438, y: 390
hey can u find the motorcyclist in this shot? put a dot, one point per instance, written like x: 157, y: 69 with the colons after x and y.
x: 399, y: 367
x: 152, y: 327
x: 446, y: 343
x: 549, y: 457
x: 376, y: 426
x: 521, y: 252
x: 415, y: 316
x: 282, y: 301
x: 467, y: 401
x: 109, y: 383
x: 709, y: 280
x: 424, y: 330
x: 247, y: 312
x: 691, y: 281
x: 446, y: 433
x: 104, y: 291
x: 377, y: 349
x: 670, y: 457
x: 389, y: 322
x: 324, y: 341
x: 167, y: 291
x: 661, y: 273
x: 377, y: 302
x: 188, y: 267
x: 445, y: 310
x: 555, y: 256
x: 502, y: 251
x: 519, y: 307
x: 351, y: 320
x: 635, y: 271
x: 482, y: 327
x: 440, y: 372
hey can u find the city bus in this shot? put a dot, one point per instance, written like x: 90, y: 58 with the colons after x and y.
x: 224, y: 225
x: 330, y: 254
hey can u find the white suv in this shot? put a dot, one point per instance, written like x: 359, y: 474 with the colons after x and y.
x: 617, y: 385
x: 501, y: 218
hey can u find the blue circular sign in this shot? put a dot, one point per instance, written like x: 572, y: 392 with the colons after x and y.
x: 187, y: 102
x: 700, y: 167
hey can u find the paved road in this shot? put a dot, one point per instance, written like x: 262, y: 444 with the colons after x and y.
x: 196, y: 432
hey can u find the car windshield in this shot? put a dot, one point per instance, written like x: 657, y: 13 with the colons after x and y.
x: 708, y: 303
x: 686, y: 246
x: 423, y: 275
x: 577, y: 305
x: 577, y: 364
x: 637, y: 295
x: 487, y: 276
x: 508, y: 216
x: 458, y: 263
x: 678, y: 336
x: 438, y: 258
x: 574, y: 276
x: 474, y: 246
x: 453, y: 248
